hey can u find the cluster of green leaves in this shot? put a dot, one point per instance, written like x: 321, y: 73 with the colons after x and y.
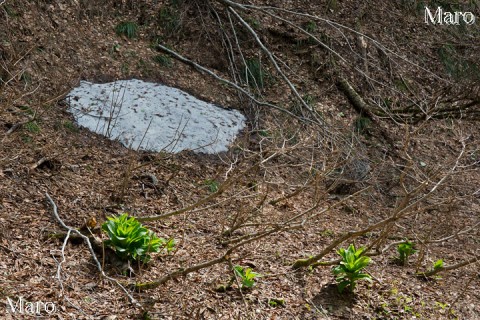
x: 254, y: 23
x: 27, y: 110
x: 10, y: 11
x: 127, y: 28
x: 405, y: 249
x: 213, y: 185
x: 131, y: 240
x: 169, y: 18
x: 349, y: 271
x: 68, y: 125
x: 297, y: 106
x: 276, y: 302
x: 32, y: 127
x: 437, y: 265
x: 254, y: 74
x: 163, y: 60
x: 310, y: 26
x: 246, y: 275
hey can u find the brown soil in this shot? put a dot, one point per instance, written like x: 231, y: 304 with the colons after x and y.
x: 48, y: 46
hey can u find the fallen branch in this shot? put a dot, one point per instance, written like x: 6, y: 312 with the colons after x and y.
x: 178, y: 273
x: 357, y: 101
x: 448, y: 268
x: 231, y: 84
x: 92, y: 252
x: 183, y: 272
x: 222, y: 188
x: 403, y: 210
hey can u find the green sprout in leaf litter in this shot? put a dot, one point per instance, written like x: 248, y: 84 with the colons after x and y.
x: 132, y: 241
x: 169, y: 245
x: 405, y: 249
x: 310, y: 26
x: 264, y: 133
x: 213, y: 185
x: 362, y: 125
x: 246, y: 275
x: 169, y: 19
x: 32, y: 127
x: 254, y: 73
x: 438, y: 265
x: 163, y: 60
x: 349, y: 271
x: 276, y: 302
x: 127, y: 28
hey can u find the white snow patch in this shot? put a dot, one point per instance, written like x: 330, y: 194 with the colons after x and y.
x: 152, y: 116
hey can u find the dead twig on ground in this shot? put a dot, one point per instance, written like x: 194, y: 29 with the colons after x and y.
x: 92, y: 252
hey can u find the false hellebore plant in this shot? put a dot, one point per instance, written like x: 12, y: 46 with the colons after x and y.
x: 130, y: 240
x: 350, y: 268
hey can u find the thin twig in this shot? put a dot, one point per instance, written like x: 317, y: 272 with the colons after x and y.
x: 92, y: 252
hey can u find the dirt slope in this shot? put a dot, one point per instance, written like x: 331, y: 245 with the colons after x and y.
x: 48, y: 46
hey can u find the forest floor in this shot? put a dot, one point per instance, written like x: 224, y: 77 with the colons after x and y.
x: 47, y: 47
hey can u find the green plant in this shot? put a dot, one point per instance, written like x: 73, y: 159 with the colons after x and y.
x: 264, y: 133
x: 332, y: 5
x: 10, y: 11
x: 246, y: 275
x: 297, y: 106
x: 130, y: 239
x: 405, y: 249
x: 163, y: 60
x: 145, y: 316
x: 115, y: 48
x: 254, y: 74
x: 127, y: 28
x: 327, y: 233
x: 254, y: 23
x: 32, y: 127
x: 27, y: 110
x: 169, y: 18
x: 310, y: 26
x: 125, y: 68
x: 309, y: 100
x: 349, y: 271
x: 276, y: 302
x: 70, y: 126
x: 401, y: 85
x: 26, y: 138
x: 438, y: 265
x: 212, y: 185
x: 169, y: 244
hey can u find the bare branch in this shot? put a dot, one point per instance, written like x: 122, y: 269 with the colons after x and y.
x: 92, y: 252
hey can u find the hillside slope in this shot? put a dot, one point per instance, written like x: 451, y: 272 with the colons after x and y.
x: 368, y: 135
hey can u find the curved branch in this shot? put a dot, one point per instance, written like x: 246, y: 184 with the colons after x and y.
x: 92, y: 252
x: 452, y: 267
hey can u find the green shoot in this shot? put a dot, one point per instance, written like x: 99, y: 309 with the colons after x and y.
x: 213, y: 185
x: 246, y: 275
x: 132, y: 241
x: 349, y: 271
x: 127, y: 28
x: 405, y: 250
x: 438, y: 265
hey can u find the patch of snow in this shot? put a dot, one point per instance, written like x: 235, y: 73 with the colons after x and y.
x: 152, y: 116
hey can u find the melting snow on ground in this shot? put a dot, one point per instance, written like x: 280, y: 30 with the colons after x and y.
x: 151, y: 116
